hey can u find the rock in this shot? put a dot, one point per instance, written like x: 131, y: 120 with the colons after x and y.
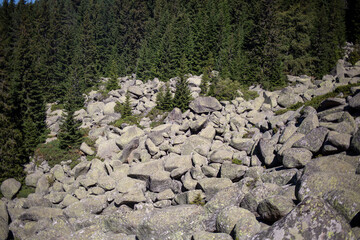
x: 341, y: 141
x: 267, y: 149
x: 198, y: 124
x: 151, y: 147
x: 161, y: 181
x: 81, y: 169
x: 96, y: 107
x: 174, y: 161
x: 334, y: 173
x: 177, y: 222
x: 68, y: 200
x: 94, y: 204
x: 129, y: 134
x: 230, y: 216
x: 279, y: 176
x: 354, y: 102
x: 107, y: 149
x: 232, y: 171
x: 3, y: 211
x: 296, y: 157
x: 290, y: 142
x: 58, y: 172
x: 287, y: 97
x: 131, y: 198
x: 55, y: 197
x: 42, y: 186
x: 275, y: 207
x: 308, y: 124
x: 208, y: 132
x: 109, y: 108
x: 76, y: 210
x: 288, y: 132
x: 331, y: 102
x: 127, y: 153
x: 195, y: 143
x: 135, y: 90
x: 167, y: 194
x: 220, y: 155
x: 213, y: 185
x: 246, y: 225
x: 37, y: 213
x: 211, y: 236
x: 175, y: 116
x: 4, y: 229
x: 143, y: 171
x: 311, y: 219
x: 242, y: 144
x: 107, y: 183
x: 10, y: 187
x: 128, y: 184
x: 205, y: 105
x: 32, y: 179
x: 355, y: 142
x: 86, y: 149
x: 314, y: 140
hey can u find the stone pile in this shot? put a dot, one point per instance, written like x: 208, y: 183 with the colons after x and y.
x: 221, y: 170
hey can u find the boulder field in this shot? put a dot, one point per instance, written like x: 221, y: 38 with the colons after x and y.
x: 221, y: 170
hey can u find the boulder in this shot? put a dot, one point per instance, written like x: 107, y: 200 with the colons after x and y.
x: 355, y: 142
x: 213, y: 185
x: 86, y: 149
x: 332, y: 102
x: 296, y: 157
x: 211, y: 236
x: 4, y: 229
x: 341, y: 141
x: 175, y: 116
x: 109, y: 108
x: 95, y: 107
x: 313, y: 218
x: 106, y: 182
x: 246, y: 225
x: 107, y: 149
x: 267, y: 148
x: 242, y: 144
x: 151, y: 147
x: 330, y: 175
x: 205, y: 105
x: 38, y: 213
x: 127, y: 152
x: 308, y: 124
x: 232, y: 171
x: 314, y: 140
x: 195, y: 143
x: 143, y: 171
x: 354, y: 102
x: 176, y: 222
x: 135, y: 90
x: 279, y: 176
x: 220, y: 155
x: 129, y: 134
x: 287, y: 97
x: 3, y: 211
x: 32, y: 179
x: 130, y: 198
x: 10, y: 187
x: 174, y: 161
x: 275, y: 207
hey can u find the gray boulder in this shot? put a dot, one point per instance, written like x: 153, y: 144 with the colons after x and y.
x: 107, y: 149
x: 308, y: 124
x: 4, y: 229
x: 279, y: 176
x: 287, y: 97
x: 275, y: 207
x: 136, y: 91
x: 213, y: 185
x: 296, y: 157
x: 314, y: 140
x: 175, y: 116
x: 242, y: 144
x: 129, y: 134
x: 246, y: 225
x: 354, y: 102
x: 86, y: 149
x: 355, y: 142
x: 10, y: 187
x: 3, y: 211
x: 232, y: 171
x: 205, y: 105
x: 32, y: 179
x: 311, y: 219
x: 211, y: 236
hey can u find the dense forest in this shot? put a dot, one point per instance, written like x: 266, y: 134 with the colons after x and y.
x: 53, y: 50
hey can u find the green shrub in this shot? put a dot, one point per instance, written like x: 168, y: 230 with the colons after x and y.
x: 237, y: 161
x: 25, y: 191
x: 55, y: 107
x: 131, y: 120
x: 198, y: 200
x: 53, y: 154
x: 224, y: 89
x: 248, y: 94
x: 154, y: 113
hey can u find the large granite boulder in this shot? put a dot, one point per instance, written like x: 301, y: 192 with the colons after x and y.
x: 314, y: 140
x: 354, y: 102
x: 10, y: 187
x: 355, y: 142
x: 129, y: 134
x: 313, y: 218
x: 205, y: 105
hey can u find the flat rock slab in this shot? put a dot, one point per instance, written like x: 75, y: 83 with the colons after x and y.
x: 213, y: 185
x: 205, y: 105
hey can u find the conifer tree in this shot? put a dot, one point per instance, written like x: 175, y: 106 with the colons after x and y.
x: 126, y: 108
x: 167, y: 100
x: 182, y: 96
x: 160, y: 98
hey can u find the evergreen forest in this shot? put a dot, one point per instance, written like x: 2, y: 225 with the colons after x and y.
x: 54, y: 50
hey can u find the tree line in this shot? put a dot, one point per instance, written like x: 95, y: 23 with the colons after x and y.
x: 53, y: 50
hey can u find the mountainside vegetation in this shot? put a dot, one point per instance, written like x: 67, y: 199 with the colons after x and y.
x: 52, y: 48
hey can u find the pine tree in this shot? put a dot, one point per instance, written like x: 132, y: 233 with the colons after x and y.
x: 126, y: 108
x: 160, y: 98
x: 167, y: 100
x: 182, y: 96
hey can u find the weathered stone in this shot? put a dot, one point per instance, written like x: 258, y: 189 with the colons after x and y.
x: 332, y: 102
x: 195, y: 143
x: 10, y: 187
x: 313, y: 140
x: 175, y: 116
x: 211, y: 236
x: 232, y: 171
x: 37, y: 213
x: 131, y: 198
x: 32, y: 179
x: 68, y: 200
x: 205, y: 105
x: 143, y: 171
x: 58, y: 172
x: 198, y: 124
x: 81, y: 169
x: 339, y: 140
x: 354, y: 102
x: 167, y: 194
x: 3, y: 211
x: 55, y: 197
x: 86, y: 149
x: 287, y: 97
x: 208, y: 132
x: 4, y: 229
x: 311, y: 219
x: 289, y: 143
x: 151, y: 147
x: 275, y: 207
x: 96, y: 107
x: 296, y: 157
x: 288, y: 132
x: 267, y: 149
x: 43, y: 184
x: 94, y: 204
x: 135, y: 90
x: 129, y: 134
x: 246, y: 225
x: 177, y: 222
x: 355, y: 142
x: 220, y: 155
x: 127, y: 184
x: 308, y: 124
x: 242, y: 144
x: 107, y: 149
x: 174, y: 161
x: 127, y: 152
x: 106, y: 182
x: 109, y: 108
x: 213, y: 185
x: 76, y: 210
x: 279, y: 176
x: 161, y: 181
x: 334, y: 173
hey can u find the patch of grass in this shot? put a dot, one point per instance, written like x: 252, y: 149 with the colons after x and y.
x: 51, y: 180
x: 90, y: 158
x: 237, y: 161
x: 55, y: 107
x: 24, y: 191
x: 131, y: 120
x: 53, y: 154
x: 198, y: 200
x: 248, y: 94
x: 154, y: 113
x: 74, y: 163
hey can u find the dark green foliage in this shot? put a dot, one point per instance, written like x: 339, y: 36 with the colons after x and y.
x: 355, y: 55
x: 126, y: 109
x: 248, y: 94
x: 53, y: 154
x: 130, y: 120
x: 224, y: 89
x: 69, y: 135
x: 182, y: 96
x: 164, y: 99
x: 25, y: 191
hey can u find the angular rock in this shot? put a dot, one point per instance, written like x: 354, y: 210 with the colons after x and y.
x: 308, y: 124
x: 232, y: 171
x: 43, y: 184
x: 221, y: 155
x: 143, y: 171
x: 135, y: 90
x: 130, y: 198
x: 242, y: 144
x: 4, y: 229
x: 10, y: 187
x: 332, y: 102
x: 174, y: 161
x: 151, y: 147
x: 161, y: 181
x: 354, y: 102
x: 213, y: 185
x: 211, y: 236
x: 107, y: 149
x: 38, y: 213
x: 205, y: 105
x: 296, y: 157
x: 86, y: 149
x: 311, y: 219
x: 129, y: 134
x: 127, y: 152
x: 128, y: 184
x: 355, y: 142
x: 81, y: 169
x: 106, y: 182
x: 195, y: 143
x: 314, y: 140
x: 199, y: 124
x: 280, y: 177
x: 267, y: 149
x: 275, y: 207
x: 339, y: 140
x: 94, y: 204
x: 32, y: 179
x: 109, y: 108
x: 175, y: 116
x: 208, y: 132
x: 3, y: 211
x: 246, y: 225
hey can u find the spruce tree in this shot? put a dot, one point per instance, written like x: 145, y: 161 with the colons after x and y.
x: 182, y: 96
x: 160, y: 98
x: 167, y: 100
x: 126, y: 108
